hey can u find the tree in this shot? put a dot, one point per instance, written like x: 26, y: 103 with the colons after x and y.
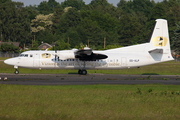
x: 113, y: 46
x: 61, y: 45
x: 121, y: 3
x: 41, y: 22
x: 73, y: 37
x: 129, y: 28
x: 3, y: 1
x: 95, y: 3
x: 58, y: 12
x: 158, y: 11
x: 9, y: 48
x: 14, y: 22
x: 176, y: 39
x: 46, y: 37
x: 144, y: 6
x: 68, y: 20
x: 35, y: 45
x: 47, y: 7
x: 31, y: 11
x: 93, y: 32
x: 78, y: 4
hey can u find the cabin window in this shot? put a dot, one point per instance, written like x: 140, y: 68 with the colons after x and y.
x: 26, y: 55
x: 31, y: 55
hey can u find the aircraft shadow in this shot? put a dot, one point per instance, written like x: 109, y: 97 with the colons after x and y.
x: 150, y: 74
x: 73, y: 73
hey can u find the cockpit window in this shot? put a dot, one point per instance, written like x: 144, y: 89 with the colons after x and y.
x: 21, y: 55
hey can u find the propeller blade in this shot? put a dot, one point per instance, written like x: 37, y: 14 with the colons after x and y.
x: 55, y: 52
x: 55, y: 49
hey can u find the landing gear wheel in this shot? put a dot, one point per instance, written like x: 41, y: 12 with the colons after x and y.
x: 84, y: 72
x: 79, y: 72
x: 16, y: 72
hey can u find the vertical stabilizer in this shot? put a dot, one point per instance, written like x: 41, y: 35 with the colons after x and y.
x: 159, y: 41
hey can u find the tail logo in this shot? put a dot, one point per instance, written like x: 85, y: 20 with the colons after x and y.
x: 159, y: 41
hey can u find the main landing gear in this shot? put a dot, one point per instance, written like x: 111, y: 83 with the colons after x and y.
x: 82, y: 72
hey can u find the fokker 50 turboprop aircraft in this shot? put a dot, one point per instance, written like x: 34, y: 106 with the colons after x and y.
x: 156, y: 50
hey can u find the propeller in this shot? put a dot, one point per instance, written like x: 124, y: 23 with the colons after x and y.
x: 55, y: 52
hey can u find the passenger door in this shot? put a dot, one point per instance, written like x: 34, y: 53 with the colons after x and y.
x: 36, y: 60
x: 123, y: 62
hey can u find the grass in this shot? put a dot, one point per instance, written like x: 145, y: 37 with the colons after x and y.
x: 99, y: 102
x: 167, y: 68
x: 3, y: 58
x: 89, y: 102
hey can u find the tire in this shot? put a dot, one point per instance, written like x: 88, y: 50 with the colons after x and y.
x: 16, y: 72
x: 84, y: 72
x: 79, y: 72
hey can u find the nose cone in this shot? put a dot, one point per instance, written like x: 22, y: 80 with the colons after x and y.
x: 10, y: 61
x: 6, y: 61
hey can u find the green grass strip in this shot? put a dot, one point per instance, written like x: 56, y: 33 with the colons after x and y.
x: 89, y: 102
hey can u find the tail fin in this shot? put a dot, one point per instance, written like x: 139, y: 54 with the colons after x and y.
x: 159, y: 41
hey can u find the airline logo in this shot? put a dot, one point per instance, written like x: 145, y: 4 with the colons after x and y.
x: 46, y: 55
x: 159, y: 41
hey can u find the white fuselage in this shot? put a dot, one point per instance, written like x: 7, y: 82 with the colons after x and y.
x: 120, y: 58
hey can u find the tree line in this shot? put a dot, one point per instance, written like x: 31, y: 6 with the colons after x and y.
x: 99, y: 24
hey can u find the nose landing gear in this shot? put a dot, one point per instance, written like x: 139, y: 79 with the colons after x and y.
x: 16, y: 71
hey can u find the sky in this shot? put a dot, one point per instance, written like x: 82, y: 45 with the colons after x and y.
x: 37, y: 2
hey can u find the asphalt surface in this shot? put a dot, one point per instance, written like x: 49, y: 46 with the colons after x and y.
x: 90, y: 79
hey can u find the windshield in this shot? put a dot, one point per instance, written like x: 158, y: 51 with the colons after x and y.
x: 21, y: 55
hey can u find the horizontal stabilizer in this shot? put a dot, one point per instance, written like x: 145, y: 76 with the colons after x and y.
x: 156, y: 51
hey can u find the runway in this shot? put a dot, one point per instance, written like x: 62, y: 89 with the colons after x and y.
x: 90, y: 79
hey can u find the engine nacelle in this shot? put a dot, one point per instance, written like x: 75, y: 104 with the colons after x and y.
x: 64, y: 55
